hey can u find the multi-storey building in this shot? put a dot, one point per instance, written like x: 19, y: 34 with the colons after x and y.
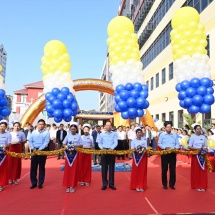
x: 3, y: 61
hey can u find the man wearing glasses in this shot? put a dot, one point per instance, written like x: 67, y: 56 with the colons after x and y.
x: 38, y: 141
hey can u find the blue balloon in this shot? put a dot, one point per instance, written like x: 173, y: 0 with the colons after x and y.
x: 51, y: 99
x: 181, y: 103
x: 131, y: 102
x: 201, y: 90
x: 190, y: 92
x: 141, y: 102
x: 205, y: 82
x: 57, y: 120
x: 137, y: 86
x: 210, y: 90
x: 66, y: 103
x: 124, y: 95
x: 117, y: 98
x: 144, y: 94
x: 182, y: 95
x: 193, y: 109
x: 67, y: 113
x: 75, y: 112
x: 140, y: 112
x: 5, y: 111
x: 119, y: 88
x: 178, y: 87
x: 2, y: 93
x: 65, y: 90
x: 146, y: 104
x: 197, y: 100
x: 129, y: 86
x: 155, y: 120
x: 3, y: 102
x: 55, y: 91
x: 57, y: 104
x: 205, y: 108
x: 49, y: 109
x: 134, y: 93
x: 145, y: 87
x: 58, y: 113
x: 70, y: 97
x: 212, y: 83
x: 187, y: 102
x: 67, y: 119
x: 132, y: 112
x: 50, y: 115
x: 195, y: 82
x: 48, y: 95
x: 74, y: 105
x: 208, y: 99
x: 61, y: 96
x: 1, y: 117
x: 184, y: 85
x: 122, y: 105
x: 48, y: 103
x: 125, y: 115
x: 117, y: 109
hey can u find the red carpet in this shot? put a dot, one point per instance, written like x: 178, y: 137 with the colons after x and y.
x: 52, y: 199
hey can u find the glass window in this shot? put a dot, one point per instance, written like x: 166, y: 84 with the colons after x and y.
x: 157, y: 116
x: 163, y: 117
x: 171, y: 117
x: 180, y: 118
x: 152, y: 83
x: 164, y: 76
x: 171, y: 71
x: 147, y: 84
x: 208, y: 46
x: 157, y: 80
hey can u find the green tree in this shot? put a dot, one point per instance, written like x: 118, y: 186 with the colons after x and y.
x: 189, y: 120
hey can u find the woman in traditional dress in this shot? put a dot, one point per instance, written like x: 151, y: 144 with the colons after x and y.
x: 85, y: 160
x: 198, y: 165
x: 139, y: 165
x: 71, y: 141
x: 5, y: 140
x: 15, y: 164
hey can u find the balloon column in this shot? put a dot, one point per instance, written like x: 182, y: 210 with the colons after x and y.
x: 127, y: 75
x: 191, y: 66
x: 58, y: 85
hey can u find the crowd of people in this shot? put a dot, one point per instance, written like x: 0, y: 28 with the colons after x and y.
x: 44, y: 137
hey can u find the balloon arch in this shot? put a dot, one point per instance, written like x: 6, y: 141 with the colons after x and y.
x: 80, y: 85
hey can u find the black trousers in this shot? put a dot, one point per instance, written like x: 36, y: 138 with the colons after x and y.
x: 36, y: 161
x: 60, y: 145
x: 108, y: 162
x: 121, y: 146
x: 97, y: 156
x: 168, y: 161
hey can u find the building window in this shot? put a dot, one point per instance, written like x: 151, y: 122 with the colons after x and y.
x: 152, y: 83
x: 180, y: 118
x: 163, y: 117
x: 157, y: 80
x: 171, y: 117
x: 208, y: 46
x: 171, y: 71
x: 147, y: 84
x: 157, y: 116
x: 163, y: 76
x: 206, y: 118
x: 199, y: 5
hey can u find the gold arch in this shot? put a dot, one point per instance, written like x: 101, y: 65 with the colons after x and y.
x: 81, y: 85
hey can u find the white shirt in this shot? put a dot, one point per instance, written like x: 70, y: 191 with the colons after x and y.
x: 197, y: 141
x: 72, y: 138
x: 131, y: 134
x: 121, y: 135
x: 87, y: 141
x: 53, y: 133
x: 154, y: 133
x: 17, y: 137
x: 142, y: 142
x: 213, y: 130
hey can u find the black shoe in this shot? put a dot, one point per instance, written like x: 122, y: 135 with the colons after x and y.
x: 112, y: 187
x: 40, y: 186
x: 165, y: 187
x: 63, y: 159
x: 94, y: 163
x: 123, y: 158
x: 172, y: 187
x: 58, y: 158
x: 104, y: 187
x: 33, y: 186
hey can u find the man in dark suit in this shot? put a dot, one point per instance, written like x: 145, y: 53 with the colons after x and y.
x: 95, y: 133
x: 61, y: 134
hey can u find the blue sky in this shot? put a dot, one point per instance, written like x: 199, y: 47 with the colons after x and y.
x: 27, y: 25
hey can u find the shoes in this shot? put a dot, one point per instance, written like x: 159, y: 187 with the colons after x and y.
x: 94, y: 163
x: 72, y: 190
x: 87, y: 184
x: 16, y: 182
x: 82, y: 183
x: 68, y: 190
x: 141, y: 190
x: 104, y: 187
x: 112, y: 187
x: 138, y: 189
x: 58, y: 158
x: 1, y: 189
x: 63, y: 158
x: 203, y: 190
x: 199, y: 190
x: 173, y: 188
x: 33, y: 186
x: 165, y: 187
x: 10, y: 182
x: 40, y: 186
x: 130, y: 158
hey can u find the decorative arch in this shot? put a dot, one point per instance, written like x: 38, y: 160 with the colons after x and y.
x: 80, y: 85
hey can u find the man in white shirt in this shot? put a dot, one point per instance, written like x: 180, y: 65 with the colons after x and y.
x: 121, y: 135
x: 148, y: 135
x: 53, y: 134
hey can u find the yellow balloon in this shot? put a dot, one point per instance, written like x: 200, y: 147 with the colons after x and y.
x: 55, y: 46
x: 211, y: 143
x: 0, y: 68
x: 184, y: 16
x: 120, y: 24
x: 184, y: 141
